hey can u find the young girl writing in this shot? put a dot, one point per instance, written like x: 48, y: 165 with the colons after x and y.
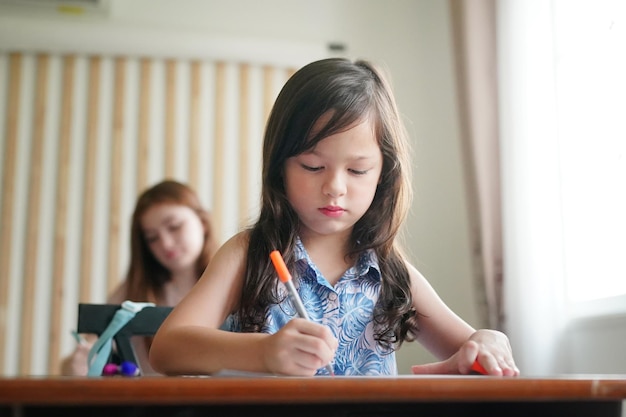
x: 335, y: 191
x: 171, y: 243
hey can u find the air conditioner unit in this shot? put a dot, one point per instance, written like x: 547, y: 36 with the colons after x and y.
x: 66, y: 7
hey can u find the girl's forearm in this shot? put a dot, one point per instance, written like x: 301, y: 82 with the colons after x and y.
x: 197, y: 350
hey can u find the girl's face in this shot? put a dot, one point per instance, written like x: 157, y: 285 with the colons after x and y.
x: 331, y: 186
x: 174, y: 234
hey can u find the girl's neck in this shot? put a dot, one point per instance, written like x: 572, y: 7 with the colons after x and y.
x: 179, y: 285
x: 336, y: 242
x: 328, y: 253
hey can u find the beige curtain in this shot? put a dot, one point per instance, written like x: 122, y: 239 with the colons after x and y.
x: 474, y: 35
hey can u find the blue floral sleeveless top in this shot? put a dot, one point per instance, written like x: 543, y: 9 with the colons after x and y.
x: 347, y: 309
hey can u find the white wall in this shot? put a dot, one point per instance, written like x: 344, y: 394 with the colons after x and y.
x: 412, y: 39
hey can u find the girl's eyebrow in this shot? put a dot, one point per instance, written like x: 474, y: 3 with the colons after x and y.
x: 167, y: 219
x: 357, y: 157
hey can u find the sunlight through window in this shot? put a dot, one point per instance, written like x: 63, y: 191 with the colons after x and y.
x: 591, y: 99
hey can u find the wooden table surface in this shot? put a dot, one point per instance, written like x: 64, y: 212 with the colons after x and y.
x: 317, y: 390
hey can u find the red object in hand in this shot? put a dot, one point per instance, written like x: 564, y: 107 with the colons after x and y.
x: 477, y: 368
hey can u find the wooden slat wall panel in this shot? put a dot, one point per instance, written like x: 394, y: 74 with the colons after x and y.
x: 116, y: 173
x: 244, y: 145
x: 32, y: 227
x: 143, y: 131
x: 8, y: 194
x: 268, y: 93
x: 194, y: 124
x: 218, y: 130
x: 93, y: 120
x: 170, y: 118
x: 218, y: 145
x: 61, y: 216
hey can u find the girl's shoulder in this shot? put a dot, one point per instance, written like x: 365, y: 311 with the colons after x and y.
x: 240, y: 240
x: 228, y: 264
x: 236, y: 246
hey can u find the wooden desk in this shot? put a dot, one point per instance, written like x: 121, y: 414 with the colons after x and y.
x: 319, y: 397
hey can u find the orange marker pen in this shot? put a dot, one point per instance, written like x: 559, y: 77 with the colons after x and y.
x: 477, y: 368
x: 285, y: 277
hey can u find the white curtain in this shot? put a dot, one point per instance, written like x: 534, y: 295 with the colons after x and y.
x: 562, y: 89
x: 532, y: 225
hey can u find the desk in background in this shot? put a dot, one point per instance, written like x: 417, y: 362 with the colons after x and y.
x: 586, y: 395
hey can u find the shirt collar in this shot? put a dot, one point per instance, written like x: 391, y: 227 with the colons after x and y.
x: 367, y: 262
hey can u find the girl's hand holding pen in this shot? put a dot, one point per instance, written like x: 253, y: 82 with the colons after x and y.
x: 309, y: 346
x: 299, y: 348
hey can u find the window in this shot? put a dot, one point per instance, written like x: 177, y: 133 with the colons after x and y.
x: 590, y: 79
x: 562, y: 87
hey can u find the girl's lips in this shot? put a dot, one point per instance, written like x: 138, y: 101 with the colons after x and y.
x: 171, y: 255
x: 332, y: 211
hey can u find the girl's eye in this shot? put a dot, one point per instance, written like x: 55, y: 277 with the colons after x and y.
x: 152, y: 239
x: 358, y: 172
x: 174, y: 227
x: 310, y: 168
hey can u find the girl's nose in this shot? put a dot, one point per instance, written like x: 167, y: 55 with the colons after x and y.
x: 335, y: 184
x: 166, y: 240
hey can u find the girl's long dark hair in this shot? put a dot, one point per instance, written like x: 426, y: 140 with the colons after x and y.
x: 146, y: 276
x: 350, y: 92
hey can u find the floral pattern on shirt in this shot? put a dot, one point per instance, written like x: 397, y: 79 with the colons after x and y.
x: 347, y: 309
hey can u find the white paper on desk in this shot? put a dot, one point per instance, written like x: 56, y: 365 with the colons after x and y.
x: 232, y: 373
